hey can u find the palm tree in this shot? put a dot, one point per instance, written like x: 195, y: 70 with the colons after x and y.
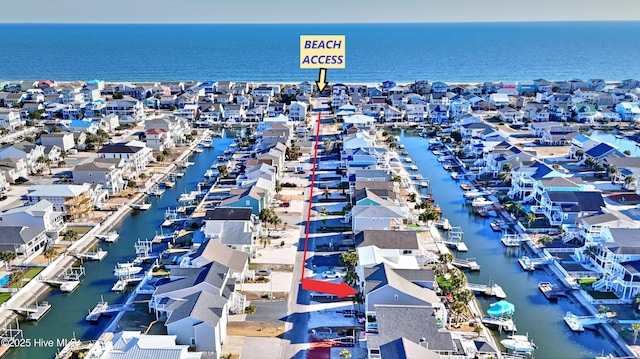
x: 50, y: 253
x: 530, y: 217
x: 590, y: 162
x: 611, y: 170
x: 278, y: 188
x: 504, y: 177
x: 345, y: 353
x: 636, y: 330
x: 358, y: 299
x: 349, y: 259
x: 579, y: 154
x: 628, y: 180
x: 16, y: 276
x: 223, y: 170
x: 351, y: 277
x: 71, y: 235
x: 8, y: 257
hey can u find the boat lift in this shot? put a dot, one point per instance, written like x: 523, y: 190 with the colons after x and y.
x: 68, y: 281
x: 103, y: 308
x: 455, y: 238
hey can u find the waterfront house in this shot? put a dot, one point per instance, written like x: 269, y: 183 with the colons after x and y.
x: 609, y: 115
x: 106, y: 173
x: 367, y: 197
x: 27, y: 151
x: 133, y: 344
x: 618, y: 260
x: 213, y: 251
x: 63, y: 140
x: 10, y: 119
x: 276, y: 154
x: 376, y: 217
x: 13, y: 169
x: 23, y: 240
x: 361, y: 121
x: 459, y: 106
x: 436, y: 98
x: 527, y: 87
x: 74, y: 200
x: 234, y: 113
x: 393, y: 114
x: 602, y: 150
x: 252, y: 197
x: 419, y: 324
x: 589, y: 229
x: 629, y: 111
x: 558, y: 135
x: 233, y: 226
x: 525, y: 177
x: 586, y: 112
x: 583, y: 143
x: 210, y: 113
x: 605, y: 100
x: 403, y: 348
x: 40, y: 215
x: 158, y: 139
x: 405, y: 242
x: 176, y: 128
x: 358, y: 140
x: 135, y: 157
x: 417, y: 112
x: 566, y: 207
x: 560, y: 112
x: 497, y: 157
x: 438, y: 113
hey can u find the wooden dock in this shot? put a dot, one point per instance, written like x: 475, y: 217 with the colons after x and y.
x: 103, y: 308
x: 503, y: 324
x: 33, y: 312
x: 493, y: 290
x: 92, y: 256
x: 468, y: 263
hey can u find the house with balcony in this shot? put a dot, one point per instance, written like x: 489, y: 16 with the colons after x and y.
x: 38, y: 216
x: 589, y: 229
x: 136, y: 157
x: 417, y: 112
x: 560, y: 112
x: 459, y: 107
x: 510, y: 115
x: 629, y: 111
x: 158, y: 139
x: 234, y: 113
x: 236, y: 227
x: 586, y: 112
x: 298, y: 111
x: 367, y: 158
x: 23, y: 240
x: 536, y: 112
x: 601, y: 151
x: 525, y: 178
x: 75, y: 201
x: 617, y: 258
x: 559, y: 135
x: 503, y: 153
x: 625, y: 166
x: 567, y: 207
x: 10, y: 119
x: 129, y: 110
x: 583, y: 143
x: 106, y: 173
x: 393, y: 114
x: 251, y: 197
x: 438, y: 113
x: 28, y: 152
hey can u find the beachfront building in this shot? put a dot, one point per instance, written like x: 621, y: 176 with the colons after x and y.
x: 10, y: 119
x: 629, y: 111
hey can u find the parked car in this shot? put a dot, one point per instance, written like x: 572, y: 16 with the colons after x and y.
x: 263, y: 272
x: 285, y: 204
x: 332, y: 274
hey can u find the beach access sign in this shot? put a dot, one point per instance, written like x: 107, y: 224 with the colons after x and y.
x: 322, y: 51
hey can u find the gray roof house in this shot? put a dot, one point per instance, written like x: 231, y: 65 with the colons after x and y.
x: 215, y: 251
x: 403, y: 348
x: 22, y: 240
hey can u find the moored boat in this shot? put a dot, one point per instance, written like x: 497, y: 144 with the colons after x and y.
x: 126, y: 269
x: 519, y: 344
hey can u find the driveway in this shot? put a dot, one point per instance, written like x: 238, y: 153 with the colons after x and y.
x: 268, y: 311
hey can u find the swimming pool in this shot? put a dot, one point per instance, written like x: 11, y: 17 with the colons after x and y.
x: 4, y: 280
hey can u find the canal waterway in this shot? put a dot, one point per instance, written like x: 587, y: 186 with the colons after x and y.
x: 534, y: 315
x: 67, y: 316
x: 623, y: 144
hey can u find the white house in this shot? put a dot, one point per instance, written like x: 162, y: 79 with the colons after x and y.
x: 9, y: 119
x: 499, y: 99
x: 23, y: 240
x: 132, y: 344
x: 64, y: 140
x: 13, y: 169
x: 298, y: 111
x: 129, y: 110
x: 233, y: 226
x: 136, y: 157
x: 40, y: 215
x: 629, y: 111
x: 107, y: 173
x: 29, y: 152
x: 377, y: 217
x: 73, y: 200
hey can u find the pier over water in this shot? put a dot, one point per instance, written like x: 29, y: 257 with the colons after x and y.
x: 543, y: 321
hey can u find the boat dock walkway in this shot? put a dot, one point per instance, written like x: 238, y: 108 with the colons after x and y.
x: 33, y: 312
x: 493, y: 290
x: 103, y: 308
x: 455, y: 238
x: 468, y: 263
x: 93, y: 256
x: 503, y: 324
x: 123, y: 282
x: 513, y: 240
x: 529, y: 264
x: 68, y: 281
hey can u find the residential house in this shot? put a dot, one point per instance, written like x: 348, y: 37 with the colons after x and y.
x: 586, y: 112
x: 438, y: 113
x: 499, y: 99
x: 417, y: 112
x: 74, y: 200
x: 133, y: 344
x: 560, y: 112
x: 130, y: 111
x: 583, y: 143
x: 176, y: 128
x: 566, y: 207
x: 525, y: 180
x: 234, y: 113
x: 158, y: 139
x: 559, y: 135
x: 459, y: 107
x: 23, y: 240
x: 589, y: 229
x: 536, y: 112
x: 508, y: 114
x: 584, y: 94
x: 497, y: 157
x: 527, y: 87
x: 135, y: 157
x: 10, y: 119
x: 629, y: 111
x: 12, y: 168
x: 358, y: 140
x: 405, y: 242
x: 276, y: 109
x: 108, y: 173
x: 624, y: 166
x: 602, y: 150
x: 63, y: 140
x: 232, y: 226
x: 376, y: 217
x: 38, y: 216
x: 393, y: 114
x: 29, y: 152
x: 213, y: 251
x: 618, y: 260
x: 439, y: 87
x: 361, y: 121
x: 605, y: 100
x: 403, y: 348
x: 298, y: 111
x: 251, y: 197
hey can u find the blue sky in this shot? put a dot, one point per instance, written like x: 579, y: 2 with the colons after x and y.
x: 319, y: 11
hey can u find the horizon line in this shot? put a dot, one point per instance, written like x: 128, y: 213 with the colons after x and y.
x: 321, y: 23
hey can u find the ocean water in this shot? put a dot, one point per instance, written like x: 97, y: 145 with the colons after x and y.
x: 465, y: 52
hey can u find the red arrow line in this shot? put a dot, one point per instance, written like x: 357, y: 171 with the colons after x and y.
x: 342, y: 289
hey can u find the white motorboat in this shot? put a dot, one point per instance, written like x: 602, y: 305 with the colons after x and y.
x: 408, y: 160
x: 156, y: 191
x: 126, y: 269
x: 198, y: 150
x: 519, y: 344
x: 169, y: 184
x: 179, y: 174
x: 474, y: 193
x: 207, y: 142
x: 208, y: 174
x: 188, y: 198
x: 108, y: 237
x: 481, y: 202
x: 573, y: 322
x: 413, y: 168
